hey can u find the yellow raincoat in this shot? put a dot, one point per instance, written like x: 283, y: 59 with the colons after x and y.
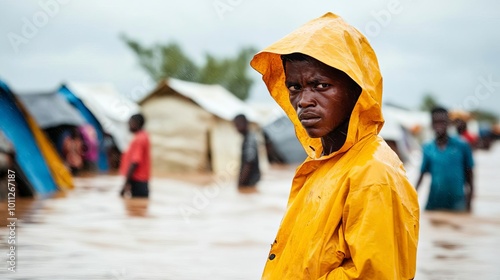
x: 351, y: 214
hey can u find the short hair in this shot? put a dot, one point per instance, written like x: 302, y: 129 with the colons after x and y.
x: 294, y: 57
x: 139, y: 118
x: 439, y: 110
x: 241, y: 117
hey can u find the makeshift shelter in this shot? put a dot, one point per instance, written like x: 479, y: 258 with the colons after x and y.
x: 51, y: 110
x: 282, y: 141
x: 73, y: 99
x: 52, y: 113
x: 418, y: 123
x: 191, y: 127
x: 35, y: 156
x: 404, y: 130
x: 109, y: 107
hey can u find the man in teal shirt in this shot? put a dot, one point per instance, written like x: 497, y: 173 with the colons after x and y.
x: 449, y: 161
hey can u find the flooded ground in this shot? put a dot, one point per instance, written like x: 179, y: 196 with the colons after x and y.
x: 190, y: 231
x: 464, y: 246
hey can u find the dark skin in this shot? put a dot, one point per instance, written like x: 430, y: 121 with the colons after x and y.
x: 134, y: 127
x: 461, y: 126
x: 440, y: 123
x: 242, y: 127
x: 323, y: 98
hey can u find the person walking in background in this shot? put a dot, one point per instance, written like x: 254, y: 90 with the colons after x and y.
x: 351, y: 214
x: 249, y: 169
x: 72, y: 150
x: 449, y: 161
x: 465, y: 133
x: 136, y: 161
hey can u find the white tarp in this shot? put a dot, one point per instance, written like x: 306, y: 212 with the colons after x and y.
x: 410, y: 120
x: 406, y: 129
x: 110, y: 108
x: 213, y: 98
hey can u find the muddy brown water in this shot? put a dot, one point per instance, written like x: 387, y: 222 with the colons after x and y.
x: 193, y: 230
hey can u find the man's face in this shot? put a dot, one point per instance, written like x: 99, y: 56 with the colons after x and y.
x: 461, y: 126
x: 241, y: 125
x: 320, y: 95
x: 440, y: 123
x: 133, y: 126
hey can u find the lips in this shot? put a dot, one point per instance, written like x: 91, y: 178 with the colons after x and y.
x: 308, y: 119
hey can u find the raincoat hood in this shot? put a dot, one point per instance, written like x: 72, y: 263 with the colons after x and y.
x: 332, y: 41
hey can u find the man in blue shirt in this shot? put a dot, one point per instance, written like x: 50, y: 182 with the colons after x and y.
x: 449, y: 161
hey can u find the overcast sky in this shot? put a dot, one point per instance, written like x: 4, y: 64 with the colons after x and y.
x: 448, y: 47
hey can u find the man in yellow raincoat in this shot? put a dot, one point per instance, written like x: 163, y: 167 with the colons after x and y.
x: 352, y: 214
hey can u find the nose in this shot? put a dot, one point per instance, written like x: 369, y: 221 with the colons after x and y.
x: 306, y: 99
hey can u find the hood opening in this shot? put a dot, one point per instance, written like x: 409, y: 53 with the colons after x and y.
x: 332, y: 41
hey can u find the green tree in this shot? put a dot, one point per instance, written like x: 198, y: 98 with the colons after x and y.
x: 162, y: 61
x: 428, y: 102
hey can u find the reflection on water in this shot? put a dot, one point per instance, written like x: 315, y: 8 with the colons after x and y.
x: 26, y: 209
x: 185, y: 231
x: 445, y: 222
x: 136, y: 207
x: 447, y: 245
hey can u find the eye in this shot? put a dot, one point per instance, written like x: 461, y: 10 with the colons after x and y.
x: 322, y: 86
x: 294, y: 88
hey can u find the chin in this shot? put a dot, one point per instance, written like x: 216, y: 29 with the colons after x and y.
x: 314, y: 133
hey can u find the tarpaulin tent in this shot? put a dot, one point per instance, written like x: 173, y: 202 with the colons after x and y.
x: 34, y: 154
x: 109, y: 107
x: 51, y: 110
x: 52, y: 113
x: 74, y: 100
x: 283, y: 141
x: 191, y: 127
x: 401, y: 130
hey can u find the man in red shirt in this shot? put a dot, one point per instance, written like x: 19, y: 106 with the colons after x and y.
x: 136, y: 161
x: 465, y: 134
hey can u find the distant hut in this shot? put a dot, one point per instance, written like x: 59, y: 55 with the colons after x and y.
x: 191, y: 127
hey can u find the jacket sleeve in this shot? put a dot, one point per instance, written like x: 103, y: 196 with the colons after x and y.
x: 379, y: 243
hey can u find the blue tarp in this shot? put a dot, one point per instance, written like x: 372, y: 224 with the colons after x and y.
x: 102, y: 163
x: 28, y: 155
